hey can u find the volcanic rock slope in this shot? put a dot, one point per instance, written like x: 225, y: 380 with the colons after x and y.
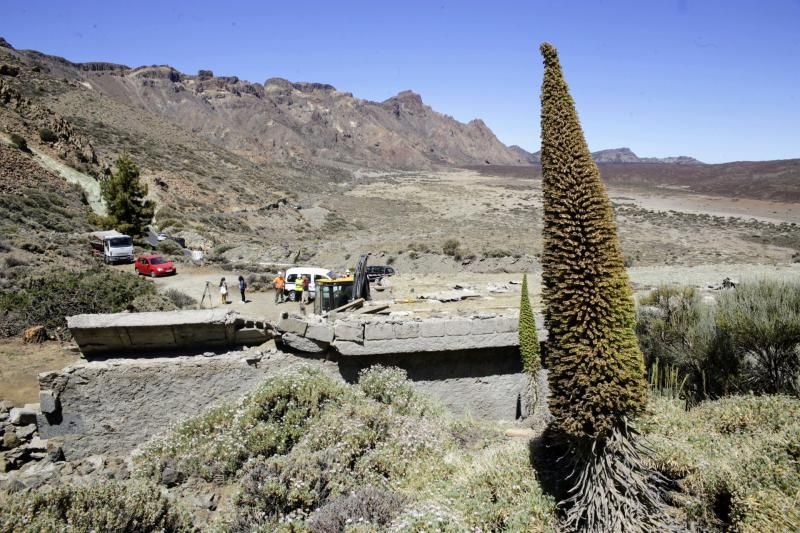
x: 280, y: 120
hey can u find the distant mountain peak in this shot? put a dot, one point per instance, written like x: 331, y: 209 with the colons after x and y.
x: 613, y: 155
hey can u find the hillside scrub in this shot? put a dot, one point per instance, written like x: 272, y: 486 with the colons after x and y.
x: 734, y: 461
x: 748, y: 342
x: 47, y: 298
x: 111, y: 506
x: 303, y: 447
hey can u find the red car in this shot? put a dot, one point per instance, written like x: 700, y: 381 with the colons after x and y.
x: 154, y: 265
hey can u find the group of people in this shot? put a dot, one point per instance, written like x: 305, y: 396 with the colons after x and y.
x: 301, y: 289
x: 223, y: 290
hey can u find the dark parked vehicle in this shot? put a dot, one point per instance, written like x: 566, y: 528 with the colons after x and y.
x: 376, y: 272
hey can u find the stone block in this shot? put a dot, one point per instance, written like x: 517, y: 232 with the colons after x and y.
x: 506, y: 324
x: 22, y: 416
x: 302, y: 344
x: 426, y: 344
x: 406, y: 330
x: 458, y: 327
x: 349, y: 331
x: 26, y: 432
x: 293, y: 325
x: 320, y: 332
x: 48, y: 401
x: 378, y: 331
x: 483, y: 326
x: 431, y: 328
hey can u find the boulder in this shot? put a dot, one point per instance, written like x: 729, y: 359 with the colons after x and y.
x: 292, y: 325
x: 320, y: 332
x: 22, y: 416
x: 48, y: 402
x: 10, y: 439
x: 301, y: 344
x: 26, y: 432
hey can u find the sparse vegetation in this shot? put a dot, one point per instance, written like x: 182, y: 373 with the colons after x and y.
x: 180, y: 299
x: 747, y: 342
x: 170, y: 247
x: 47, y: 135
x: 111, y: 506
x: 19, y: 142
x: 46, y: 298
x: 451, y: 247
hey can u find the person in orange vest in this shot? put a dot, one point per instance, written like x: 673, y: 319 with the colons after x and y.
x: 278, y: 284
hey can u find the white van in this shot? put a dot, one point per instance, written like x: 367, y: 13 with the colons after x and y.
x: 313, y: 274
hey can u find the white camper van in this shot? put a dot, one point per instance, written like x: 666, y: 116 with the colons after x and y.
x: 313, y: 274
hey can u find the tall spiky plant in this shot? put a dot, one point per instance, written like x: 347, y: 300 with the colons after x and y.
x: 528, y: 336
x: 596, y: 370
x: 529, y: 347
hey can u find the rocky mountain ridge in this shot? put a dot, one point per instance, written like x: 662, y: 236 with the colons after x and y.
x: 279, y: 120
x: 612, y: 155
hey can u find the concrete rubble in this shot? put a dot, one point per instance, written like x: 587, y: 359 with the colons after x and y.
x: 165, y: 331
x: 363, y: 335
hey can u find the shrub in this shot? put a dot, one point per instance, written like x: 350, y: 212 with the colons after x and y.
x: 152, y: 302
x: 13, y: 261
x: 748, y: 342
x: 47, y: 135
x: 128, y: 507
x: 451, y: 247
x: 180, y: 299
x: 169, y: 247
x: 759, y: 322
x: 19, y: 142
x: 269, y: 421
x: 735, y: 460
x: 370, y: 506
x: 47, y: 298
x: 390, y: 386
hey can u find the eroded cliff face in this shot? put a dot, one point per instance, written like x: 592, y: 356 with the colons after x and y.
x: 280, y: 120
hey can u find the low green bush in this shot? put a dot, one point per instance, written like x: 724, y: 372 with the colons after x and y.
x: 169, y: 247
x: 734, y: 461
x: 119, y: 507
x: 152, y: 302
x: 267, y: 422
x: 748, y: 342
x: 451, y: 247
x: 390, y: 386
x: 47, y: 135
x: 19, y: 142
x: 181, y: 300
x: 47, y: 298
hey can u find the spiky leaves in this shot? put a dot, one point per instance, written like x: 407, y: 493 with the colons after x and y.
x: 528, y: 337
x: 596, y: 368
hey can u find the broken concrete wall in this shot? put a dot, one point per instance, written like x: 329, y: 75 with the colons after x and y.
x: 111, y: 407
x: 160, y: 332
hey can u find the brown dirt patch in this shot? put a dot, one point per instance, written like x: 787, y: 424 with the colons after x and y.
x: 21, y: 363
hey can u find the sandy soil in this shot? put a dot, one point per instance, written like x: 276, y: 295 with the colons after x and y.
x: 20, y: 364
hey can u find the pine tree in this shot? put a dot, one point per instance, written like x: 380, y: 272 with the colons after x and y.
x: 125, y: 197
x: 528, y: 336
x: 596, y: 369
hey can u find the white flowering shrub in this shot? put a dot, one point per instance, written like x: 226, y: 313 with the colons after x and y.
x: 120, y: 507
x: 390, y: 386
x: 366, y: 509
x: 269, y: 421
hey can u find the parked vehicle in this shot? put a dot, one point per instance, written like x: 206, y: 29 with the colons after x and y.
x: 154, y: 265
x: 313, y: 274
x: 112, y: 245
x: 376, y: 272
x: 162, y: 236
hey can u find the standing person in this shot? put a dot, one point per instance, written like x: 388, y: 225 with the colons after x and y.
x: 298, y: 288
x: 306, y: 291
x: 242, y: 287
x: 223, y: 291
x: 278, y: 284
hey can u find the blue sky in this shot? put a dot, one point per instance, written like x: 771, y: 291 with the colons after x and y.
x: 717, y: 80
